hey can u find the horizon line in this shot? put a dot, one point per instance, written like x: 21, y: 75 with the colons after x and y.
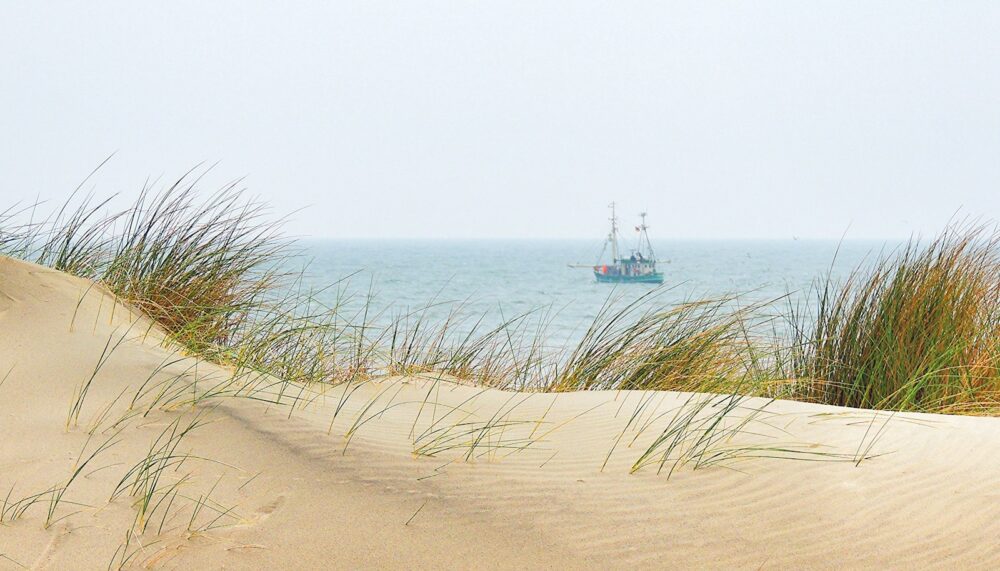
x: 593, y: 239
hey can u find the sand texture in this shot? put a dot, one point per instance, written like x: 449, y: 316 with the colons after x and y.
x: 424, y: 473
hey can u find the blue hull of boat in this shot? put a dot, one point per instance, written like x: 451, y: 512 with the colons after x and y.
x: 656, y: 278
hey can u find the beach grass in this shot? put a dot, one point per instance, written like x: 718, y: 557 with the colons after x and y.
x: 918, y: 329
x: 702, y: 345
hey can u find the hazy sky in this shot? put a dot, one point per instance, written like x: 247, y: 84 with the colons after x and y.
x: 520, y: 119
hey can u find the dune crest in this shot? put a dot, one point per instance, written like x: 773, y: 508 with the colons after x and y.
x: 120, y: 451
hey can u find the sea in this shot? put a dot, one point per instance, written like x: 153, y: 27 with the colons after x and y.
x: 491, y: 281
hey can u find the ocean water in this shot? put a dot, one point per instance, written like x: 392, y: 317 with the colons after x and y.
x: 499, y: 279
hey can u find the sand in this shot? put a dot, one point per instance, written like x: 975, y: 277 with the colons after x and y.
x: 425, y: 473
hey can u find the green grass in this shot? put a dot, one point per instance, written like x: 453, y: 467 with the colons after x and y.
x: 645, y: 345
x: 914, y: 330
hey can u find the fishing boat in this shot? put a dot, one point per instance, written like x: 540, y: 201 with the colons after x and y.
x: 639, y: 266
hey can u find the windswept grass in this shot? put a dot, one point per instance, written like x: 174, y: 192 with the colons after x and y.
x: 474, y: 438
x: 80, y: 392
x: 147, y: 481
x: 509, y: 355
x: 53, y: 497
x: 711, y: 430
x: 918, y: 330
x: 201, y: 268
x: 695, y: 346
x: 211, y: 270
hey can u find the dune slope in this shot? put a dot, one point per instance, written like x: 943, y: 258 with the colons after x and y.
x: 421, y: 472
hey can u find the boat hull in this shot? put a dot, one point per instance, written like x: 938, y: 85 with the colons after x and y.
x: 655, y: 278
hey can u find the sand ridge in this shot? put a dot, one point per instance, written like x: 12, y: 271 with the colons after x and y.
x: 424, y: 473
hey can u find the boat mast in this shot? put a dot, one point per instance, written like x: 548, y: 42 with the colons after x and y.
x: 613, y: 237
x: 643, y: 235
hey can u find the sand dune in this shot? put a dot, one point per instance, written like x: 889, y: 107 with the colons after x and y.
x: 422, y: 473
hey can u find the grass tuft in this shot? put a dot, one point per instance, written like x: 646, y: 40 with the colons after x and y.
x: 918, y: 330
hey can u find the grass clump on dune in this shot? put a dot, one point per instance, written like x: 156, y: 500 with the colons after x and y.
x: 702, y: 345
x: 212, y: 270
x: 918, y: 330
x: 201, y: 268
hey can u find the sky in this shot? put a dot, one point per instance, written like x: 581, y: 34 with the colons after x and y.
x: 519, y: 119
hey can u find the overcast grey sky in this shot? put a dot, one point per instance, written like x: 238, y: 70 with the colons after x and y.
x: 520, y: 119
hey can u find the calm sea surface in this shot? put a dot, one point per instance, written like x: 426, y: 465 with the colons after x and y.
x: 501, y: 279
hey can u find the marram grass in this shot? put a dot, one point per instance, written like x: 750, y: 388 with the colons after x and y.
x: 917, y: 330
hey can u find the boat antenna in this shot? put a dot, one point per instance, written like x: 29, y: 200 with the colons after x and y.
x: 613, y: 237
